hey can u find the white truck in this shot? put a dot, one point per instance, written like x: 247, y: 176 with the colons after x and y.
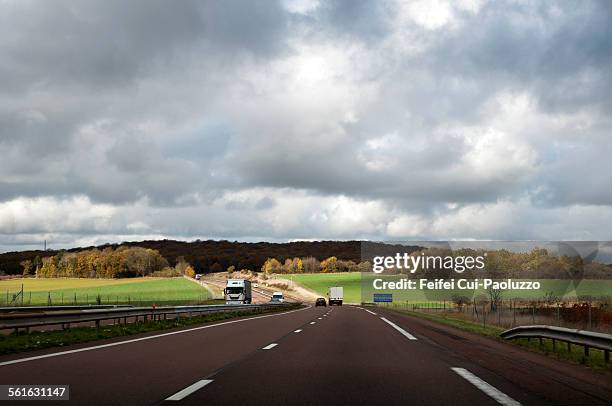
x: 335, y: 295
x: 238, y: 291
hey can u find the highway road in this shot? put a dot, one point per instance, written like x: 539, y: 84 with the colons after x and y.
x: 344, y: 355
x: 260, y: 295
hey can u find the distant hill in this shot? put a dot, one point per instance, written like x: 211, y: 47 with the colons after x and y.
x: 207, y: 256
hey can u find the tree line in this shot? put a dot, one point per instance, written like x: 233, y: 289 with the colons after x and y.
x: 313, y: 265
x: 217, y: 256
x: 123, y: 262
x: 171, y: 258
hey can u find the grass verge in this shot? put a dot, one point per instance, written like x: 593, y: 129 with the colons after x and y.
x: 576, y: 355
x: 37, y: 340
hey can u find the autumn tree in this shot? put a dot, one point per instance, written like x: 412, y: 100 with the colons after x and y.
x: 271, y: 266
x: 346, y: 266
x: 182, y: 267
x: 364, y: 266
x: 189, y: 271
x: 47, y: 270
x: 287, y: 266
x: 27, y: 267
x: 108, y: 263
x: 329, y: 265
x: 299, y: 265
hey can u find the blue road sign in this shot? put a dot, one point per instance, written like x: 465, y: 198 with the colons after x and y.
x: 383, y: 297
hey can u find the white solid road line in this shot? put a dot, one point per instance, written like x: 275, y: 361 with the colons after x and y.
x: 398, y: 328
x: 492, y: 391
x: 299, y: 330
x: 189, y: 390
x: 269, y: 346
x: 134, y: 340
x: 371, y: 312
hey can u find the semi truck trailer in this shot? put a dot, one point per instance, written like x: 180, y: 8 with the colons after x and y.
x: 238, y: 291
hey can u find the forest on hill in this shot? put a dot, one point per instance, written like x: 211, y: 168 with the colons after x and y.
x: 169, y: 258
x: 217, y: 256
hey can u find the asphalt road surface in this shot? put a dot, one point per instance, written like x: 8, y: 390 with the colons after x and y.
x: 342, y: 355
x: 260, y: 295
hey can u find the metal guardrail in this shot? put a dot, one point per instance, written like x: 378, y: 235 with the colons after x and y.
x: 587, y: 339
x: 25, y: 309
x: 65, y: 318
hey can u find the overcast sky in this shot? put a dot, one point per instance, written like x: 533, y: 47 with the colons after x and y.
x: 125, y: 120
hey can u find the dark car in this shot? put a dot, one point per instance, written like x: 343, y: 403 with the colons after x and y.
x: 321, y: 302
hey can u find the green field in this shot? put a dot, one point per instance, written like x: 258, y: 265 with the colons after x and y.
x: 352, y: 283
x: 556, y: 287
x: 69, y: 291
x: 320, y: 282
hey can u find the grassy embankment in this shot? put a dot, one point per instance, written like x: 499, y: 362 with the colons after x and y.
x: 595, y: 359
x: 134, y: 291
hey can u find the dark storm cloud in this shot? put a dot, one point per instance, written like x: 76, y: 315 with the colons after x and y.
x: 543, y: 47
x: 110, y: 43
x: 68, y: 64
x: 206, y: 118
x: 363, y: 20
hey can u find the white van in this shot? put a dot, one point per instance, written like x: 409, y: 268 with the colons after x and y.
x: 335, y: 295
x: 277, y: 297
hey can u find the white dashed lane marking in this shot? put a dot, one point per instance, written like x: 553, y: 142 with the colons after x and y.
x: 490, y: 390
x: 189, y: 390
x: 398, y: 328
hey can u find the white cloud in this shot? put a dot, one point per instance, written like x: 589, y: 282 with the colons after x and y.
x: 51, y: 215
x: 432, y: 119
x: 430, y: 14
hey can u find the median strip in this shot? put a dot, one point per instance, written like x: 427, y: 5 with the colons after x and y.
x: 269, y: 346
x: 189, y: 390
x: 490, y: 390
x: 398, y: 328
